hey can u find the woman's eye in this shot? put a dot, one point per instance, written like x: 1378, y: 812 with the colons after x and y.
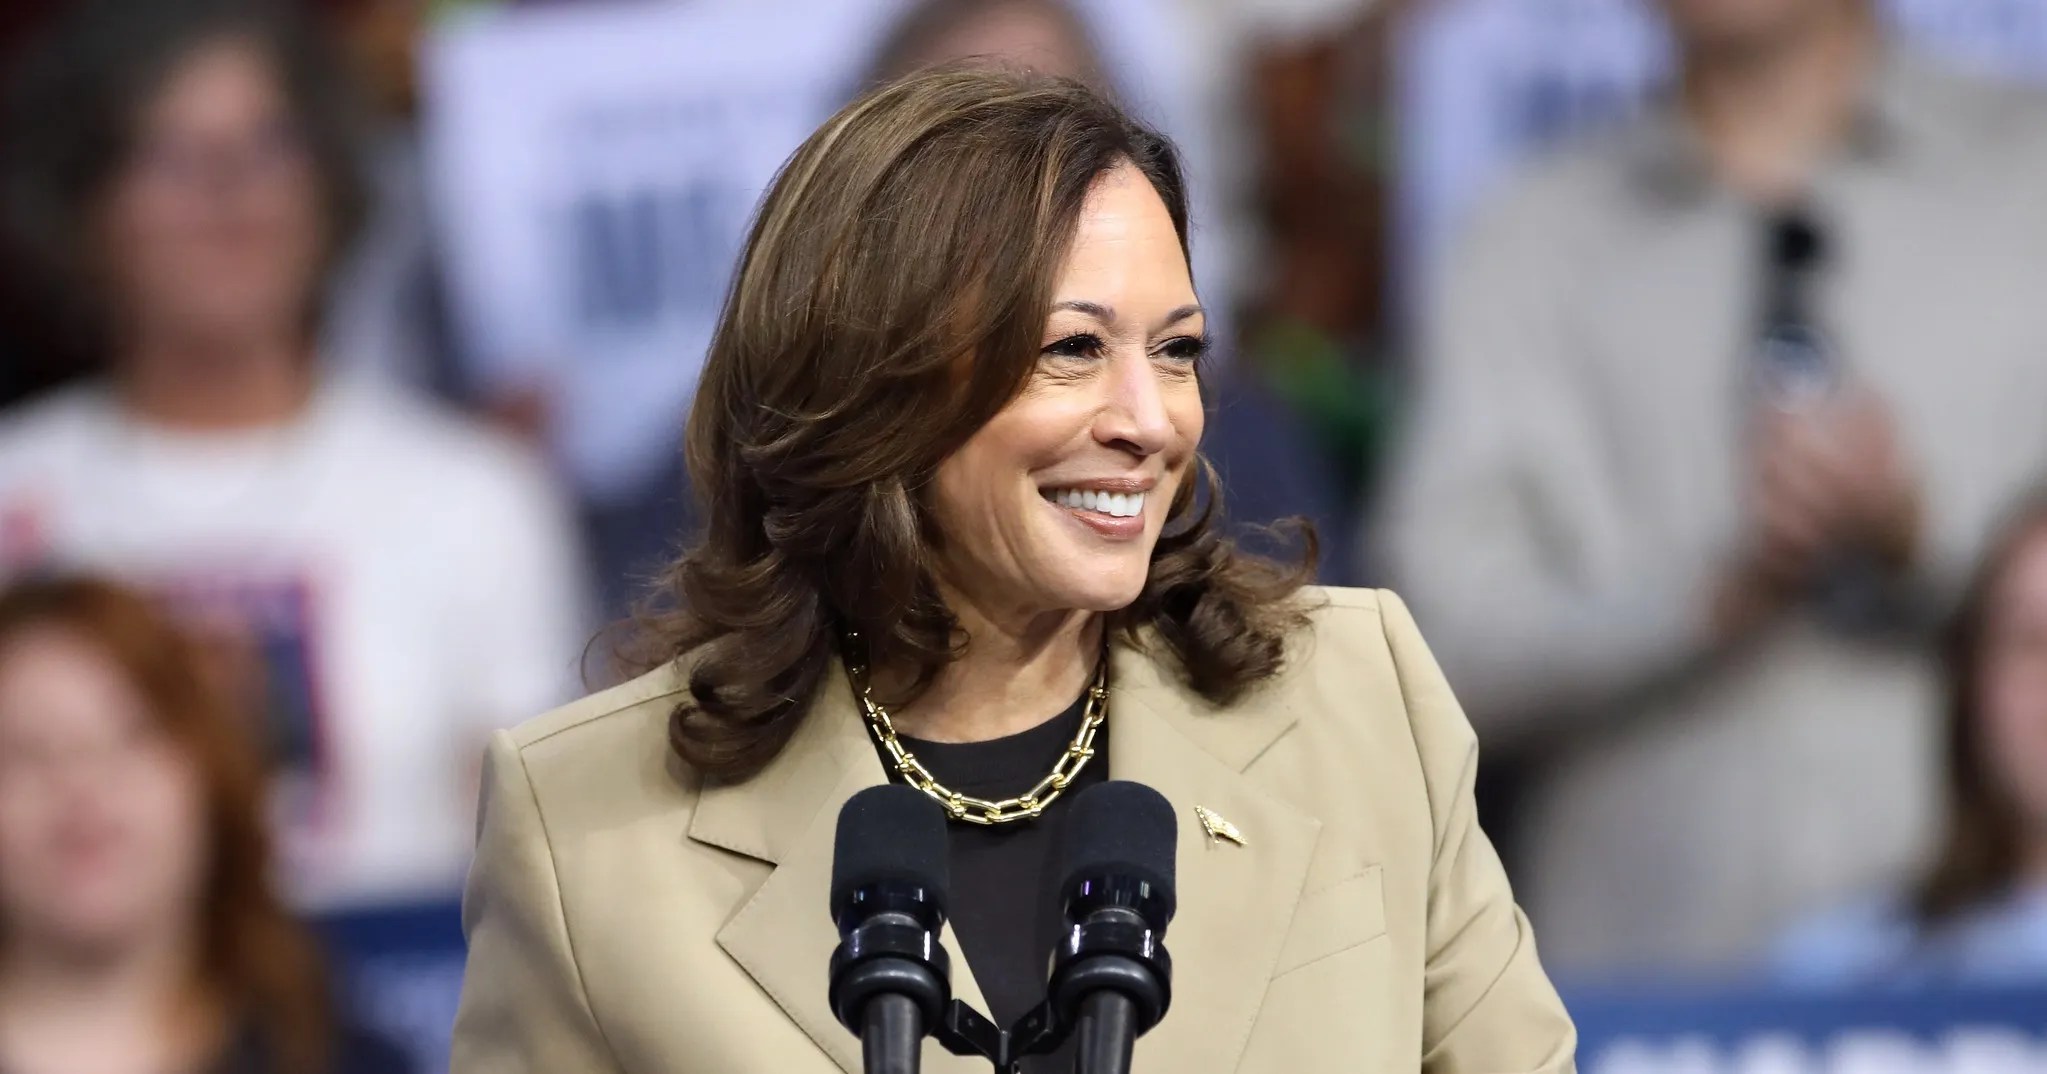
x: 1077, y: 346
x: 1185, y: 348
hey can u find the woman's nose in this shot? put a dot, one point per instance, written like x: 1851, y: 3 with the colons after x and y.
x: 1135, y: 419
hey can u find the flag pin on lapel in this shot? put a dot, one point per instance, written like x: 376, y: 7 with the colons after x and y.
x: 1217, y: 827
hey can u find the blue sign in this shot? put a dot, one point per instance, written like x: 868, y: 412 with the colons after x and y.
x: 1893, y: 1031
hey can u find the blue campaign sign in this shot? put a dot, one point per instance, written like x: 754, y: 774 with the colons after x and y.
x: 1890, y: 1031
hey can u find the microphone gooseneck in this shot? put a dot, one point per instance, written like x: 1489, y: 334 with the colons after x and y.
x: 891, y: 1034
x: 890, y: 978
x: 1111, y: 975
x: 1105, y: 1036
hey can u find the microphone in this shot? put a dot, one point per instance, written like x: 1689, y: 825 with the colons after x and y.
x: 1799, y: 370
x: 1111, y: 975
x: 890, y: 977
x: 1796, y: 363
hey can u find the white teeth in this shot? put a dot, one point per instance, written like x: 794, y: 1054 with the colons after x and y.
x: 1117, y: 504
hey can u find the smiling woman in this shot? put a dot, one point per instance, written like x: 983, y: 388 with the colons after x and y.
x: 948, y: 444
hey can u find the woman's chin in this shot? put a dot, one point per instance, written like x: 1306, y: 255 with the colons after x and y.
x: 100, y: 927
x: 1105, y: 592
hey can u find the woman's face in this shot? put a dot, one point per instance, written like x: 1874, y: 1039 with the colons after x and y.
x: 2015, y: 681
x: 1055, y: 504
x: 212, y: 229
x: 101, y: 816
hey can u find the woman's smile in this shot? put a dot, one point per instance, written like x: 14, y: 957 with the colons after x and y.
x: 1111, y: 508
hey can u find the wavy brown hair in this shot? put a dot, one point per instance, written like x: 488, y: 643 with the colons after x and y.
x: 255, y: 956
x: 1980, y: 851
x: 888, y: 304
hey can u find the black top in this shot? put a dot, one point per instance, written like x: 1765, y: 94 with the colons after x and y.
x: 1005, y: 898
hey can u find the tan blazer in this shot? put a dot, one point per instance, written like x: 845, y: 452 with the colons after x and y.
x: 624, y: 916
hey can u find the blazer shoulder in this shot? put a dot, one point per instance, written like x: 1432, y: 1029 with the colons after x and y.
x: 1344, y: 598
x: 658, y: 689
x: 1342, y: 618
x: 1348, y: 666
x: 602, y: 764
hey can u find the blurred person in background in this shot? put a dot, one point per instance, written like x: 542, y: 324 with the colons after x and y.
x: 138, y: 930
x: 1045, y: 36
x: 1271, y: 468
x: 1979, y: 913
x: 1714, y: 416
x: 389, y: 583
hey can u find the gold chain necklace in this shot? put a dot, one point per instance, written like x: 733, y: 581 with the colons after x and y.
x: 964, y: 807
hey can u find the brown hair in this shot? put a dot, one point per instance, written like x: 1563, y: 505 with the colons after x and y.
x: 1979, y: 855
x: 70, y: 129
x: 255, y: 955
x: 888, y: 304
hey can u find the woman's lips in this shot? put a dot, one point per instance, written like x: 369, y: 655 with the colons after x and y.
x: 1114, y: 515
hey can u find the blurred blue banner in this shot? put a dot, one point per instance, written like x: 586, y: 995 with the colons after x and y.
x: 1664, y: 1031
x: 403, y: 971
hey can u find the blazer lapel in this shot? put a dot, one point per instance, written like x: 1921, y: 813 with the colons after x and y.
x: 788, y: 816
x: 1235, y: 900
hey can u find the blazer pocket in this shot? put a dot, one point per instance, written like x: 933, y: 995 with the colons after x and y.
x: 1334, y: 919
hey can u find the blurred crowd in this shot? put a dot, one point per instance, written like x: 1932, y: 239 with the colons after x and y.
x: 344, y: 350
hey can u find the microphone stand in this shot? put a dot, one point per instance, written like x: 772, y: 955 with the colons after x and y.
x: 966, y: 1031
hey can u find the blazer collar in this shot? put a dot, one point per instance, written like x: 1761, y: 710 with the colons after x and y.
x: 1234, y: 901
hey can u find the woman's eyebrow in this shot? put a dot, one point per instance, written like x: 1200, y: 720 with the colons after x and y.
x: 1107, y: 314
x: 1104, y: 314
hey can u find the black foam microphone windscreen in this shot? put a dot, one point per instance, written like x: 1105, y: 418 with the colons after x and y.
x: 889, y: 834
x: 1121, y: 829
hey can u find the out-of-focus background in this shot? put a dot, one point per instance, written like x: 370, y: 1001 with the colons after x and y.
x: 1682, y: 362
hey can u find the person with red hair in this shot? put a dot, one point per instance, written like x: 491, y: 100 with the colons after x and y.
x: 139, y: 932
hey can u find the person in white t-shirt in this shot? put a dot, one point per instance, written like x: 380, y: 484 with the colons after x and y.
x: 382, y: 582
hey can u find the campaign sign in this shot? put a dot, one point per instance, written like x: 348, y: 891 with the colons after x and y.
x: 1890, y: 1031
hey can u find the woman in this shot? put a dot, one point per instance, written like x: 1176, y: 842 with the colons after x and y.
x: 946, y: 439
x: 347, y: 543
x: 138, y: 930
x: 1979, y: 914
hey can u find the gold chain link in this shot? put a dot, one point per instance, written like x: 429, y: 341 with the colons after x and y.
x: 965, y: 807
